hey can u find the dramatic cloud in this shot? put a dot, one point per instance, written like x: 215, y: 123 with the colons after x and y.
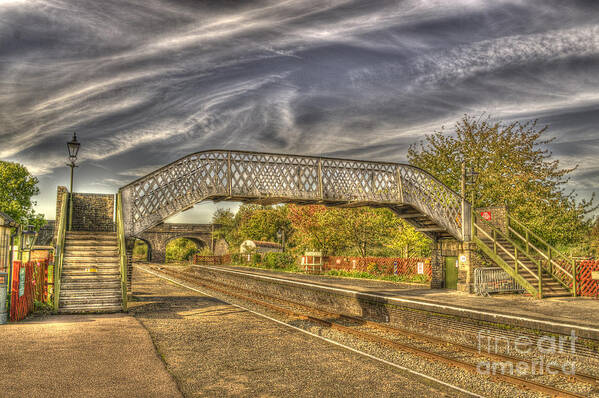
x: 145, y: 82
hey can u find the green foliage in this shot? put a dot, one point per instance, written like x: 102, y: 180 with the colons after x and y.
x: 369, y: 275
x: 515, y: 168
x: 593, y: 241
x: 252, y: 222
x: 17, y: 187
x: 278, y: 260
x: 204, y: 251
x: 140, y: 250
x: 256, y: 258
x: 180, y: 249
x: 361, y: 231
x: 236, y: 258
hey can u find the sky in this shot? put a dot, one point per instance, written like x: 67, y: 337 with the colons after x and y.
x: 146, y: 82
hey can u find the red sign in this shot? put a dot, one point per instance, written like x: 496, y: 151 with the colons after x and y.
x: 486, y: 215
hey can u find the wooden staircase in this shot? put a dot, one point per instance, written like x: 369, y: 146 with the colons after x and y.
x: 90, y: 279
x: 538, y: 267
x: 550, y: 286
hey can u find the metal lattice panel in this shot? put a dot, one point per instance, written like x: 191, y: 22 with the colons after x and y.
x: 236, y: 175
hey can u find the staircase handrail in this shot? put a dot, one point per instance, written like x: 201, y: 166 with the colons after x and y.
x: 546, y: 254
x: 60, y: 239
x: 122, y: 249
x: 496, y: 231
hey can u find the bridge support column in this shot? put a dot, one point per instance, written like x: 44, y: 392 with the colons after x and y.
x: 129, y: 245
x: 468, y: 262
x: 159, y: 252
x: 437, y: 263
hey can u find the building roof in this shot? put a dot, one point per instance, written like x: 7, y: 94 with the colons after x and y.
x: 5, y: 219
x: 262, y: 243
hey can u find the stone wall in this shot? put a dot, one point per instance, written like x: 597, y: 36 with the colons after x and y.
x: 59, y: 192
x: 221, y: 247
x: 93, y: 212
x: 45, y: 234
x: 498, y: 216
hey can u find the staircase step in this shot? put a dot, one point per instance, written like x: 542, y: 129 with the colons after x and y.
x: 91, y: 293
x: 89, y: 308
x: 92, y: 247
x: 79, y: 285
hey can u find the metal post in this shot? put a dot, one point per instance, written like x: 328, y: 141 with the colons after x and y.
x: 540, y: 274
x: 320, y: 191
x: 574, y: 277
x: 463, y: 192
x: 72, y: 165
x: 229, y: 177
x: 494, y: 241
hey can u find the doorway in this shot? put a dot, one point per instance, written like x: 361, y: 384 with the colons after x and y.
x: 451, y: 272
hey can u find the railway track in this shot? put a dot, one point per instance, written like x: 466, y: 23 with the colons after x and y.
x: 438, y: 350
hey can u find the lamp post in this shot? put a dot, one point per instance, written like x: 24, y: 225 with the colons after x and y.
x: 27, y: 240
x: 73, y: 148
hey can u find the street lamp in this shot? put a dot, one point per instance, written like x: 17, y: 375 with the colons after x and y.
x: 281, y: 237
x: 471, y: 174
x: 73, y: 148
x: 29, y: 236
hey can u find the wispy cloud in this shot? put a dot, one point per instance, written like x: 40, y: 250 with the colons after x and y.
x: 146, y: 82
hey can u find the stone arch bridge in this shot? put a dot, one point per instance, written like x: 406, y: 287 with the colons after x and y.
x: 160, y: 235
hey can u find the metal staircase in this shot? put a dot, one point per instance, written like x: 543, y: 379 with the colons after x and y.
x: 538, y: 267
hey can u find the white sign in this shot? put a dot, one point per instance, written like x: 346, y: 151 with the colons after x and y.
x: 463, y: 258
x: 595, y: 275
x: 421, y: 268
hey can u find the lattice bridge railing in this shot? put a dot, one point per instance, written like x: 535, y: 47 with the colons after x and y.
x: 251, y: 176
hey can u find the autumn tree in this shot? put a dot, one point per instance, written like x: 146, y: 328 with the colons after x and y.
x: 317, y: 227
x: 515, y: 168
x: 17, y: 188
x: 406, y: 242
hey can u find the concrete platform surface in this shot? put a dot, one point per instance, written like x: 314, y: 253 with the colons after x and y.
x: 108, y: 355
x: 214, y: 349
x: 576, y: 311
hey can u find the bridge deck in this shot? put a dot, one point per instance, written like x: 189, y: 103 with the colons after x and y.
x: 581, y: 312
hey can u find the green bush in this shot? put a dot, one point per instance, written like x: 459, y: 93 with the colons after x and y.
x: 180, y: 249
x: 368, y: 275
x: 236, y: 258
x: 278, y: 260
x: 256, y: 258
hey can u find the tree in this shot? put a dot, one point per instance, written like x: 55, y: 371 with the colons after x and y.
x: 224, y: 220
x: 594, y: 239
x: 407, y: 242
x: 264, y: 224
x: 366, y: 228
x: 17, y: 187
x: 317, y: 227
x: 515, y: 168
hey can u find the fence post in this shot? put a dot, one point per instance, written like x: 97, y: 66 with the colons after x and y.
x: 540, y: 274
x: 527, y: 242
x: 516, y: 260
x: 574, y: 277
x: 494, y: 242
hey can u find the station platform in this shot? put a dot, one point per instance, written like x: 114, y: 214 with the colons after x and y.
x: 99, y: 355
x: 552, y: 314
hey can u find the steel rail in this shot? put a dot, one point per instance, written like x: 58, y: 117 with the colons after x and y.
x: 514, y: 380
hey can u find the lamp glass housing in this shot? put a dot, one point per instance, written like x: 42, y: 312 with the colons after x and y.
x: 73, y: 147
x: 29, y: 237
